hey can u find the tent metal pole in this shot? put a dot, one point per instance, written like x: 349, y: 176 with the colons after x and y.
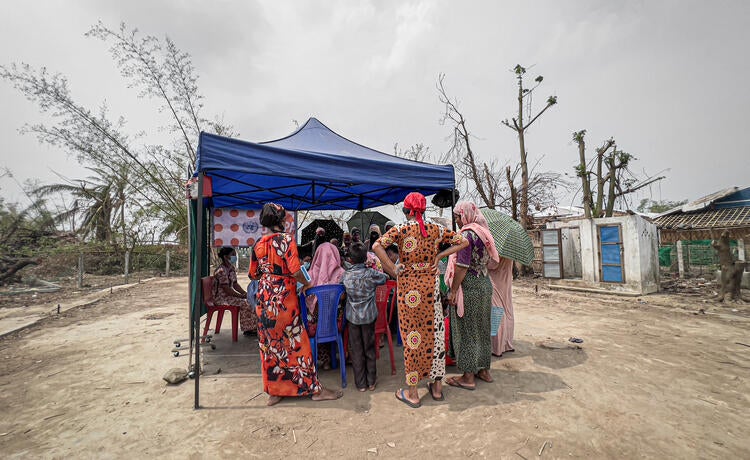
x: 191, y: 283
x: 197, y: 314
x: 453, y: 205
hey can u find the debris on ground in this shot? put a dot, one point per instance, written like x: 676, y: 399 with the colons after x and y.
x: 689, y: 286
x: 32, y: 286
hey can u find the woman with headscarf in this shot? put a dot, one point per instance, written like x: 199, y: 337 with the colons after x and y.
x: 229, y: 292
x: 286, y: 356
x: 325, y: 269
x: 372, y: 260
x: 420, y: 313
x: 471, y: 297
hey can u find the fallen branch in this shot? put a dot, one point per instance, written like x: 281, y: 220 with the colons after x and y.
x: 541, y: 449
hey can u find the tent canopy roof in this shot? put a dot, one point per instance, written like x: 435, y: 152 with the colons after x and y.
x: 313, y: 168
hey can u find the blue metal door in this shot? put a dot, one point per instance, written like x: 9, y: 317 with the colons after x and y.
x: 610, y: 251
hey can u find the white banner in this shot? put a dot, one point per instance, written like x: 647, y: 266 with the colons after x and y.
x: 241, y: 227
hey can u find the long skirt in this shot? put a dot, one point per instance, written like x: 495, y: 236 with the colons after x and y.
x: 420, y: 319
x: 471, y: 334
x: 285, y: 352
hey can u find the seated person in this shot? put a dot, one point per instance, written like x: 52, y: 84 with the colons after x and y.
x: 361, y: 313
x: 227, y: 291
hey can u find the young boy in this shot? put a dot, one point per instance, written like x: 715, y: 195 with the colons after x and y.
x: 361, y: 313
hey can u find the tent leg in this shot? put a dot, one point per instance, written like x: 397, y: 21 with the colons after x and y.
x: 197, y: 314
x: 453, y: 205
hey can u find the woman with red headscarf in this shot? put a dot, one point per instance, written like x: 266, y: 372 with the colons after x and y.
x: 420, y: 313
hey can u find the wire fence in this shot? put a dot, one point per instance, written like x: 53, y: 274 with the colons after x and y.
x: 698, y: 257
x: 95, y: 265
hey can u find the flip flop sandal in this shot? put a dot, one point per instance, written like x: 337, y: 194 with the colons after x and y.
x: 406, y: 401
x: 454, y: 382
x: 429, y: 388
x: 479, y: 376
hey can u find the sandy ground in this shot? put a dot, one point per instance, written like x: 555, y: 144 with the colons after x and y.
x: 654, y: 378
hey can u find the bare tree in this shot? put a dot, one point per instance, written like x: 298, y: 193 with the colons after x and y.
x: 520, y: 126
x: 416, y: 152
x: 612, y: 173
x: 491, y: 183
x: 478, y: 179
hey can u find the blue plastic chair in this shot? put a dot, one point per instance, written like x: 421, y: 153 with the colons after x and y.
x: 327, y: 330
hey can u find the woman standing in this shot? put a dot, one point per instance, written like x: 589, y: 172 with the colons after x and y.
x: 471, y: 297
x: 502, y: 296
x: 420, y: 314
x: 229, y: 291
x: 286, y: 357
x: 325, y: 269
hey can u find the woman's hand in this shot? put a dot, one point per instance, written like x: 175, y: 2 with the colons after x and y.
x: 305, y: 287
x: 436, y: 265
x: 452, y: 298
x: 397, y: 270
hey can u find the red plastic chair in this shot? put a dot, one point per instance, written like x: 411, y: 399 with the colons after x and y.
x: 207, y: 284
x: 385, y: 311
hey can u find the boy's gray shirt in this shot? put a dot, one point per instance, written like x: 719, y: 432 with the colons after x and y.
x: 360, y: 283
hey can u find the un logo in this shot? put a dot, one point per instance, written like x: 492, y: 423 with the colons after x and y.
x: 250, y: 226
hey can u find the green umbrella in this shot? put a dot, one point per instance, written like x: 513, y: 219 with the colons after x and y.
x: 511, y: 240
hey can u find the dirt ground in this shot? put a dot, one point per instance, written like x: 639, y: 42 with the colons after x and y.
x: 654, y: 378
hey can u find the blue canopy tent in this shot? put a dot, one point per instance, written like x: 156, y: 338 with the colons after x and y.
x: 311, y: 169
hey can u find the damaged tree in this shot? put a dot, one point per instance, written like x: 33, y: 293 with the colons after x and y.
x: 612, y: 179
x: 483, y: 182
x: 731, y: 270
x: 520, y: 126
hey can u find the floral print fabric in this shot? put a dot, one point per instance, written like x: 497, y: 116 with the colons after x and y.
x: 227, y: 276
x: 286, y: 355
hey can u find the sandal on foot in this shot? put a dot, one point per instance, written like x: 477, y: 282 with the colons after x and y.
x: 429, y: 388
x: 406, y: 401
x: 483, y: 377
x: 455, y: 382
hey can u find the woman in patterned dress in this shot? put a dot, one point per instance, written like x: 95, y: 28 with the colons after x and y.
x: 286, y: 356
x: 229, y: 292
x: 420, y: 313
x: 471, y: 298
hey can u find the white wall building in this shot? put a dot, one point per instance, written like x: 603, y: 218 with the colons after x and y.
x: 613, y: 254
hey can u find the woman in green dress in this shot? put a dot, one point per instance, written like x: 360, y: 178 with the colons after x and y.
x: 471, y: 298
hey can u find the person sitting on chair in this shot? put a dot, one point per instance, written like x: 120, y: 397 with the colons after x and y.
x: 227, y: 291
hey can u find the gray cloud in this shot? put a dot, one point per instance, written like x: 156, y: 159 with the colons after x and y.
x: 667, y: 79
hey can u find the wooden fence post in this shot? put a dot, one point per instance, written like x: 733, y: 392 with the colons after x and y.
x: 127, y: 266
x: 79, y: 280
x: 166, y: 271
x: 680, y: 261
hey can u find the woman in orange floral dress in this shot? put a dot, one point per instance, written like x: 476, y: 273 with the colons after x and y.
x: 420, y: 313
x: 286, y: 356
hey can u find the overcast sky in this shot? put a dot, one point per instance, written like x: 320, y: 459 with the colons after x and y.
x: 667, y: 79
